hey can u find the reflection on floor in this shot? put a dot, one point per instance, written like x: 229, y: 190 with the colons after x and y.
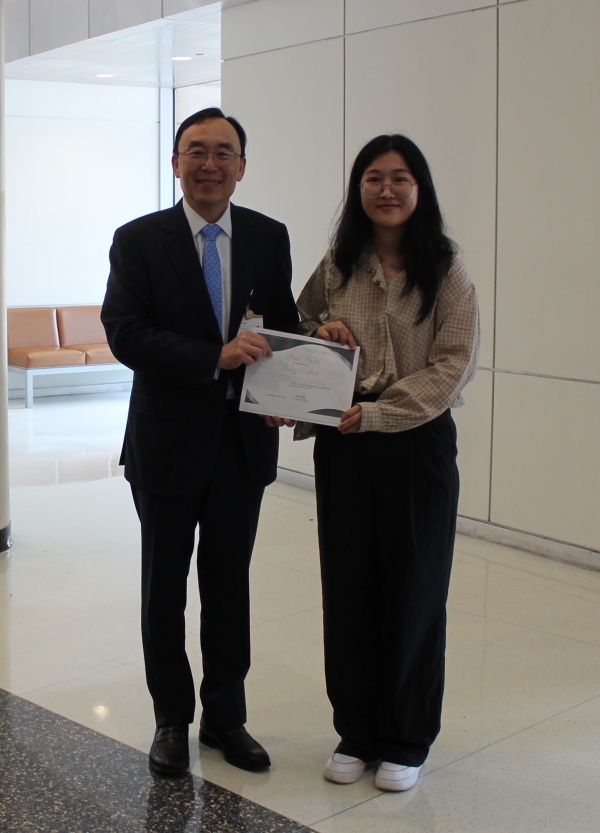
x: 520, y: 743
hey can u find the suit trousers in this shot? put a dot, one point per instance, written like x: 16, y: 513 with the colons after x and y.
x: 387, y: 506
x: 226, y: 512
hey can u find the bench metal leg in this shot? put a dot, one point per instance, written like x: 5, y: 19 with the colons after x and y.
x: 29, y: 390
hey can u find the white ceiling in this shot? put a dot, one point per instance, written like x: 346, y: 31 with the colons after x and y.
x: 138, y: 57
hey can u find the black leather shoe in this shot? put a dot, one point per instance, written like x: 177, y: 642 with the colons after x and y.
x: 237, y: 746
x: 170, y: 754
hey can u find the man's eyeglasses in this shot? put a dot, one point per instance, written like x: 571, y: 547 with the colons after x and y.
x: 220, y: 157
x: 372, y: 189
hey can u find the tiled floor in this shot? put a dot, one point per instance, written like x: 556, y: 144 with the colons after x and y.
x: 520, y: 744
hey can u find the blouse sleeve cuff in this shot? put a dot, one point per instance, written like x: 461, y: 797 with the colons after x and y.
x: 371, y: 417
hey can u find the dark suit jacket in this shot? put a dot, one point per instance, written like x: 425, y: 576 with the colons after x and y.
x: 159, y: 321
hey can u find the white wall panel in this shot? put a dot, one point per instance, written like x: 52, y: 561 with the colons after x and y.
x: 295, y: 135
x: 361, y: 15
x: 546, y: 458
x: 549, y: 188
x: 436, y: 82
x: 196, y: 97
x: 16, y: 42
x: 111, y: 16
x: 273, y: 24
x: 474, y: 426
x: 178, y: 6
x: 290, y: 101
x: 55, y: 23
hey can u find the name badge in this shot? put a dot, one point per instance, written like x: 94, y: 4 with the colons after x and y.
x: 251, y: 321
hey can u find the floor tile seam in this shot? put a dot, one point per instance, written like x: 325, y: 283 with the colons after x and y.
x: 553, y: 634
x: 292, y: 615
x: 294, y: 501
x: 74, y: 454
x: 289, y: 503
x: 281, y: 513
x: 256, y: 557
x: 520, y: 573
x: 579, y: 595
x: 349, y: 809
x: 510, y: 736
x: 37, y: 431
x: 59, y: 483
x: 499, y: 621
x: 528, y: 580
x: 67, y: 681
x: 274, y: 506
x: 87, y: 479
x: 67, y: 440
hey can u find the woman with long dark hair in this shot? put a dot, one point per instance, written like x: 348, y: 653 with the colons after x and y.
x: 386, y: 477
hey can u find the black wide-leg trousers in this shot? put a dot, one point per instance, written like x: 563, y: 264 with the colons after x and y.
x: 387, y: 508
x: 227, y: 512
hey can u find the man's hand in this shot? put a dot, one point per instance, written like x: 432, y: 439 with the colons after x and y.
x: 351, y: 420
x: 246, y: 348
x: 336, y: 331
x: 279, y: 422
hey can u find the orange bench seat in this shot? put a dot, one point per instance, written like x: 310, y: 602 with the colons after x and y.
x: 43, y: 340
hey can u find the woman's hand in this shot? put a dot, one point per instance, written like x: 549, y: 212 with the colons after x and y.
x: 336, y: 331
x: 351, y: 420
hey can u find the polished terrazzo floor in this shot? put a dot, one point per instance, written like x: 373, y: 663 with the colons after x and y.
x: 58, y: 776
x: 520, y: 744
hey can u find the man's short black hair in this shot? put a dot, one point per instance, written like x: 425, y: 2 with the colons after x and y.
x: 205, y: 115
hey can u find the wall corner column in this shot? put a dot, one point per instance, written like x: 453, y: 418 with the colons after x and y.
x: 5, y: 537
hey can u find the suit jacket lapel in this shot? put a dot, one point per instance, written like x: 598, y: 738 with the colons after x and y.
x: 243, y: 255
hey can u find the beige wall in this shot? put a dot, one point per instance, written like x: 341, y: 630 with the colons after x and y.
x: 503, y: 100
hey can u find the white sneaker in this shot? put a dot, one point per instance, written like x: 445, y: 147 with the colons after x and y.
x: 342, y: 769
x: 396, y: 777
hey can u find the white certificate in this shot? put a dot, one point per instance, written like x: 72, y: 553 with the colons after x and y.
x: 306, y: 379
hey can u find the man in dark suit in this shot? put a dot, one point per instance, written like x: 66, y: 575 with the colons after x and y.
x: 192, y: 459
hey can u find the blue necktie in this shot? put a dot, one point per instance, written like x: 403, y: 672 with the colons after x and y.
x: 211, y: 266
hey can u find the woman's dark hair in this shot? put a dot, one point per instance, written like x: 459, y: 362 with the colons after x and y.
x: 426, y: 249
x: 205, y: 115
